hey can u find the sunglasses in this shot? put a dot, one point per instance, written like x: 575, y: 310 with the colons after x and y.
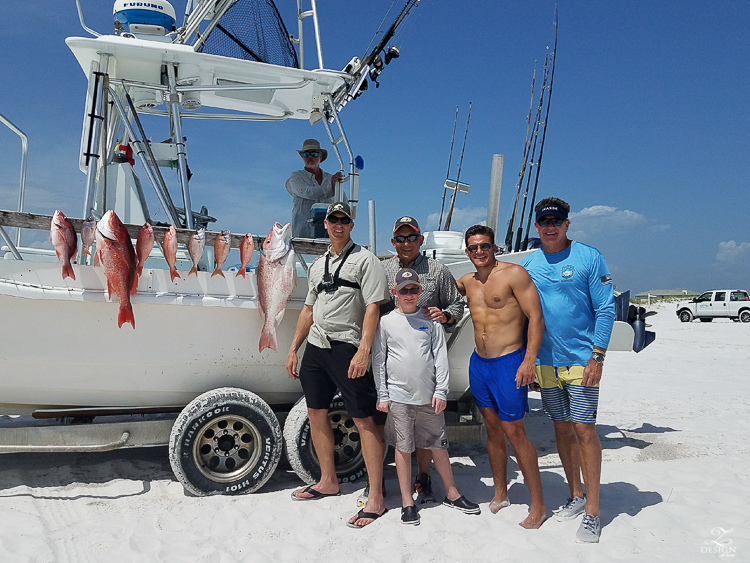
x: 310, y: 153
x: 475, y: 247
x: 556, y: 222
x: 402, y: 238
x: 333, y: 219
x: 408, y: 290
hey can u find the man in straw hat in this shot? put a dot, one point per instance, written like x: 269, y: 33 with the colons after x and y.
x: 309, y: 186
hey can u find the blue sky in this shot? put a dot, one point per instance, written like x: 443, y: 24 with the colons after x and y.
x: 648, y: 137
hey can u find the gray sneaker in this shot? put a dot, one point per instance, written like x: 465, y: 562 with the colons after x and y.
x: 589, y: 530
x: 572, y: 508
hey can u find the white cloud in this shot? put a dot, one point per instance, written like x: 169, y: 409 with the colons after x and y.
x: 606, y: 220
x: 461, y: 219
x: 730, y: 251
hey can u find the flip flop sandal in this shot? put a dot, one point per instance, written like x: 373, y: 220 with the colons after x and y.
x: 315, y: 494
x: 362, y: 514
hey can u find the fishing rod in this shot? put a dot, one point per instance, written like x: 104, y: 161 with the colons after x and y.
x: 458, y: 176
x: 524, y: 163
x: 532, y: 162
x: 544, y: 134
x: 378, y: 63
x: 448, y: 173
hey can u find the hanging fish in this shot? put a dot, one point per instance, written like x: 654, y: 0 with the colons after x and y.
x: 63, y: 238
x: 170, y: 251
x: 116, y: 253
x: 277, y: 276
x: 143, y: 247
x: 88, y: 228
x: 247, y: 246
x: 221, y: 250
x: 195, y: 247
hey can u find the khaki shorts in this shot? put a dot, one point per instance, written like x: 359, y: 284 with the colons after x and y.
x: 415, y: 426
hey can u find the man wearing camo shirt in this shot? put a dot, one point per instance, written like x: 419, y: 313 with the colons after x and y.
x: 440, y: 301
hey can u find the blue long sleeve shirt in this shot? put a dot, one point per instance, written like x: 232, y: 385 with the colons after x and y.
x: 578, y: 304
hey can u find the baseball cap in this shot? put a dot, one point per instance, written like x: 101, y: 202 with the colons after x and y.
x: 406, y: 276
x: 341, y: 207
x: 552, y: 209
x: 409, y: 221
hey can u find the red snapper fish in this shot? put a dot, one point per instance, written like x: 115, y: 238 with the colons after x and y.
x: 247, y: 246
x: 195, y: 247
x: 143, y: 247
x: 221, y: 250
x: 277, y: 276
x: 117, y: 256
x: 63, y: 238
x: 87, y: 234
x: 170, y: 251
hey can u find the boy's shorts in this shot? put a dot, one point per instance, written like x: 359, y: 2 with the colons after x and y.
x: 563, y: 396
x: 493, y: 385
x: 323, y: 370
x: 415, y: 426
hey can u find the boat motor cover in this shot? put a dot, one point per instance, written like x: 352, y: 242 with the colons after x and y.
x: 154, y: 12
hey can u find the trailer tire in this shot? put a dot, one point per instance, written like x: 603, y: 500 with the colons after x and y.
x: 686, y: 316
x: 350, y: 463
x: 226, y: 441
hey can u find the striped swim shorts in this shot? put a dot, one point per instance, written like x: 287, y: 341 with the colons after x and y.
x: 563, y: 396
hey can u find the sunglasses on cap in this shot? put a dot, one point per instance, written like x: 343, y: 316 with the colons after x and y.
x: 556, y: 221
x: 475, y: 247
x: 310, y: 153
x: 402, y: 238
x: 333, y: 219
x: 408, y: 290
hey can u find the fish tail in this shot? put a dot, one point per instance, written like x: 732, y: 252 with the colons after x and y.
x: 173, y: 273
x: 67, y: 271
x: 193, y: 270
x: 240, y: 272
x: 125, y: 315
x: 219, y: 272
x: 267, y: 340
x: 85, y: 251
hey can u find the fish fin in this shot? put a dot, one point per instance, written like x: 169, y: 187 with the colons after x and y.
x: 125, y: 316
x: 280, y: 316
x: 193, y: 270
x: 96, y: 257
x: 219, y: 272
x: 134, y: 289
x: 85, y: 251
x: 240, y: 272
x: 173, y: 273
x: 267, y: 340
x: 110, y: 293
x: 139, y: 271
x: 67, y: 271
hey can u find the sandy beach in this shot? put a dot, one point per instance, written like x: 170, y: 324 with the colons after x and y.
x: 675, y: 485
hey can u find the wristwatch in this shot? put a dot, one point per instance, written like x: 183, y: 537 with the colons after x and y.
x: 598, y: 357
x: 448, y: 317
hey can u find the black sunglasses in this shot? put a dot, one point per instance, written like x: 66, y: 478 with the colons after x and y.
x: 556, y: 222
x: 333, y: 219
x: 310, y: 153
x: 408, y: 290
x: 402, y: 238
x: 483, y: 246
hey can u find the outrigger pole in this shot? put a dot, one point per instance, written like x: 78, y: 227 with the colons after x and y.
x: 448, y: 173
x: 458, y: 175
x: 544, y: 134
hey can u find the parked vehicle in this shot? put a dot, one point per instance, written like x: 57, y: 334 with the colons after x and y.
x: 717, y: 303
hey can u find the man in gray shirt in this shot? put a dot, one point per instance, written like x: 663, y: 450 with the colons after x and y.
x: 346, y: 287
x: 440, y: 301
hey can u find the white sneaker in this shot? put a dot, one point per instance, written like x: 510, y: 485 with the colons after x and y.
x: 572, y: 508
x: 589, y: 530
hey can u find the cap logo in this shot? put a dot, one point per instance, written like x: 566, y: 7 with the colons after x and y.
x: 405, y: 220
x: 406, y: 274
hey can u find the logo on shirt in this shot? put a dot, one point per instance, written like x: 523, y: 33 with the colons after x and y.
x: 423, y: 328
x: 606, y: 280
x: 567, y: 272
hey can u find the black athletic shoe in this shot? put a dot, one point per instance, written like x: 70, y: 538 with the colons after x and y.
x: 409, y: 515
x: 463, y: 504
x: 423, y: 488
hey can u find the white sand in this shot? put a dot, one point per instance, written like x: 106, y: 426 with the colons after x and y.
x: 674, y: 422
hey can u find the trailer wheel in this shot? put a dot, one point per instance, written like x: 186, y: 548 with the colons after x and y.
x: 745, y: 316
x: 226, y: 441
x: 350, y: 463
x: 686, y: 316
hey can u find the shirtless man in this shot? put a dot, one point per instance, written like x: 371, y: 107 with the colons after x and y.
x: 501, y: 299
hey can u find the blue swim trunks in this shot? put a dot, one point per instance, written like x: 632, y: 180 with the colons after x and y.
x: 493, y: 384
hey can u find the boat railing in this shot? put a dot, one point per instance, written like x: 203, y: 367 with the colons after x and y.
x: 22, y: 186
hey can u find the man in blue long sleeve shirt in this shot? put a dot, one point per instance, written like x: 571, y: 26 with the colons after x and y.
x: 576, y: 292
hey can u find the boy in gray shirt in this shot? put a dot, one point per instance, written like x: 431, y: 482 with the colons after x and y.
x: 410, y: 365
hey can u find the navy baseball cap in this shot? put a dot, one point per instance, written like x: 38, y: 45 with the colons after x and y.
x: 554, y: 210
x: 406, y: 276
x: 409, y: 221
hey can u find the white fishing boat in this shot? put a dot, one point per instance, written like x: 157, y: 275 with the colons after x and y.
x: 194, y: 354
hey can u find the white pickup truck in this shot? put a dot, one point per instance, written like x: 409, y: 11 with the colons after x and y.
x: 720, y: 303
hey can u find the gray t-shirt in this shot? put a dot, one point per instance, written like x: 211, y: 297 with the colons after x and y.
x: 338, y: 315
x: 410, y: 359
x: 306, y: 191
